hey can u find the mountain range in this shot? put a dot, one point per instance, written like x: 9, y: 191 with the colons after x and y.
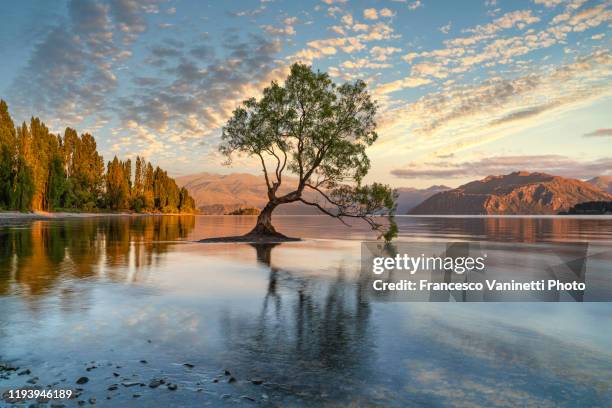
x: 602, y: 182
x: 515, y: 193
x: 223, y: 193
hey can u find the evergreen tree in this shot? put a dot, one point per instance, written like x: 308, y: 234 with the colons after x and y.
x: 8, y: 149
x: 117, y: 187
x: 57, y: 184
x: 43, y: 171
x: 24, y: 186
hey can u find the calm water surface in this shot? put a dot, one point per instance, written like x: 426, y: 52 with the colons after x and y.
x: 136, y: 297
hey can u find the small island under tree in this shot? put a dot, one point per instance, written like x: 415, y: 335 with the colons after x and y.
x: 318, y: 131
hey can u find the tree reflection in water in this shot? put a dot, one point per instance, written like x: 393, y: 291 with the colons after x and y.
x: 309, y: 333
x: 36, y: 258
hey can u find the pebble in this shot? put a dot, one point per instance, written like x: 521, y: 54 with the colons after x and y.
x: 113, y: 387
x: 154, y: 383
x: 188, y: 365
x: 92, y: 401
x: 257, y: 381
x: 143, y: 361
x: 130, y: 383
x: 231, y: 380
x: 82, y: 380
x: 172, y: 387
x: 24, y: 372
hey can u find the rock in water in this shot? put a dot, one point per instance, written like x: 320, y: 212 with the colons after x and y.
x: 154, y: 383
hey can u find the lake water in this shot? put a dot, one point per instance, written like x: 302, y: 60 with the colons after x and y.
x: 123, y: 300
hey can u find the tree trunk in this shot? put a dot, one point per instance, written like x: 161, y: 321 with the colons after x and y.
x: 264, y: 222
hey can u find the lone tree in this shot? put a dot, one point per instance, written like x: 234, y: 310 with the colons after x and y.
x: 319, y: 132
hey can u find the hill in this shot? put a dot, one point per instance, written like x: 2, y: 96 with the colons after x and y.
x: 409, y: 197
x: 515, y: 193
x: 602, y: 182
x: 224, y: 193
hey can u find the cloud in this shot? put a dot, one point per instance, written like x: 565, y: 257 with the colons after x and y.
x: 400, y: 84
x: 197, y: 96
x: 382, y: 53
x: 525, y: 113
x: 557, y: 165
x: 445, y: 29
x: 347, y: 19
x: 415, y: 5
x: 462, y: 116
x: 70, y: 74
x: 385, y: 12
x: 518, y: 18
x: 549, y: 3
x: 363, y: 63
x: 599, y: 133
x: 370, y: 14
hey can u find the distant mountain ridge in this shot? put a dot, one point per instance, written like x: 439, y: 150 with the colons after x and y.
x: 602, y: 182
x: 222, y: 194
x: 515, y: 193
x: 410, y: 197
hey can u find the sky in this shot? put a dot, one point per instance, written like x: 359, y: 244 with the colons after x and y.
x: 465, y: 89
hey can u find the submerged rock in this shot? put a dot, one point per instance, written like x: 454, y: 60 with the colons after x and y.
x: 130, y: 383
x: 82, y: 380
x: 172, y: 387
x: 154, y: 383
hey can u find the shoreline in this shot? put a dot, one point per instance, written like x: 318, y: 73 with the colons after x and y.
x: 16, y: 217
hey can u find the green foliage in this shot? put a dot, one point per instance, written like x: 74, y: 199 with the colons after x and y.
x: 6, y: 176
x: 43, y: 171
x: 57, y: 184
x: 117, y: 187
x: 318, y: 131
x: 23, y: 186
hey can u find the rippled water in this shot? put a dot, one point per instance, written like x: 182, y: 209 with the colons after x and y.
x: 112, y: 292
